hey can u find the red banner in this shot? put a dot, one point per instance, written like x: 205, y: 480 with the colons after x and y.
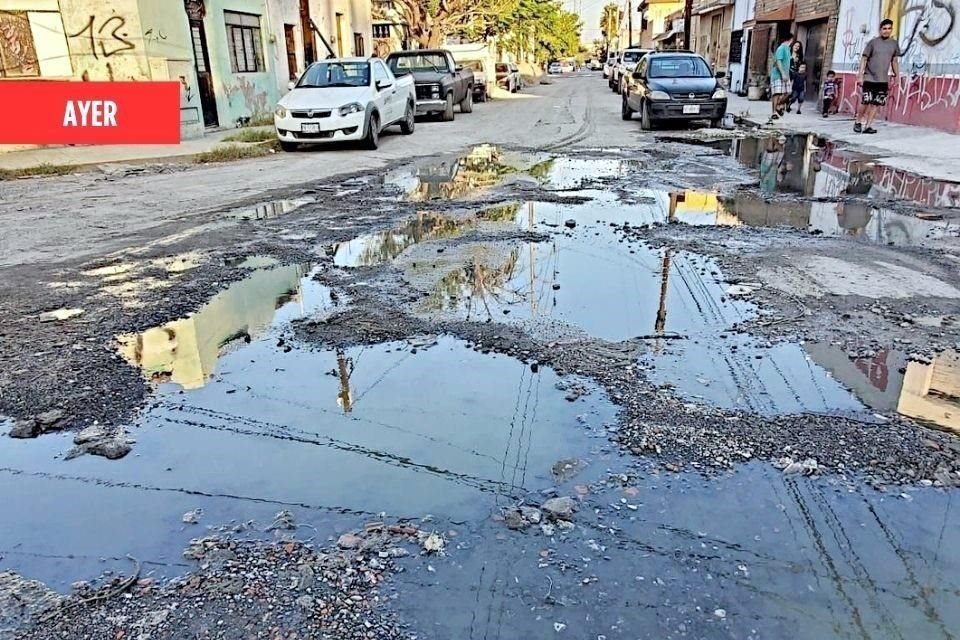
x: 39, y: 112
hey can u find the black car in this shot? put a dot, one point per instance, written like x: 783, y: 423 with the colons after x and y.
x: 673, y: 85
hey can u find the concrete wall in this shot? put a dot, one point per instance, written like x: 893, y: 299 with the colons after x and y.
x: 743, y: 11
x: 169, y: 53
x: 928, y: 90
x: 280, y: 13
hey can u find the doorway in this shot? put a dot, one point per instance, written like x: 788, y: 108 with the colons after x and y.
x: 201, y: 58
x: 291, y: 42
x: 813, y: 51
x: 309, y: 42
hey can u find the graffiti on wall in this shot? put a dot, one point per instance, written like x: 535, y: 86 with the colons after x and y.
x: 927, y: 92
x: 109, y: 33
x: 247, y: 95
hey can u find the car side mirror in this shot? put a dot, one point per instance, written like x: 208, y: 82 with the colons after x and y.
x: 459, y: 67
x: 721, y: 74
x: 637, y: 75
x: 383, y: 84
x: 291, y: 85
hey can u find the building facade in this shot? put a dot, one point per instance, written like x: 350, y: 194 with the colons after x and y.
x: 233, y: 58
x: 711, y: 23
x: 656, y: 22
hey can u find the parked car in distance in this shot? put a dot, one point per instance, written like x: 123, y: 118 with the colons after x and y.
x: 508, y: 77
x: 671, y: 86
x: 440, y: 82
x: 566, y: 66
x: 479, y: 79
x: 594, y: 65
x: 345, y: 99
x: 627, y: 65
x: 554, y: 68
x: 609, y: 64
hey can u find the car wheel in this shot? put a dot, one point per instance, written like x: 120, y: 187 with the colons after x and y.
x: 372, y: 140
x: 289, y: 146
x: 625, y: 111
x: 645, y: 122
x: 483, y: 96
x: 409, y: 122
x: 467, y: 105
x: 448, y: 115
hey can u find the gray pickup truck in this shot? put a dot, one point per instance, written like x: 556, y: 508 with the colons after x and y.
x: 440, y: 82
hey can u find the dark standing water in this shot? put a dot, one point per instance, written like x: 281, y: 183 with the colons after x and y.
x: 244, y: 425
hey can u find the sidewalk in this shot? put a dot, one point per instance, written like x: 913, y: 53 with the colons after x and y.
x: 102, y: 154
x: 927, y: 152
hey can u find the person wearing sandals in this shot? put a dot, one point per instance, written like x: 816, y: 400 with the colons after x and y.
x: 780, y: 78
x: 880, y: 58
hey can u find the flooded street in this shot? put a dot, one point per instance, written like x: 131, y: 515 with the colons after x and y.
x: 687, y: 390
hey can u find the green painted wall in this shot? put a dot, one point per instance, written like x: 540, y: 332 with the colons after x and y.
x: 240, y: 94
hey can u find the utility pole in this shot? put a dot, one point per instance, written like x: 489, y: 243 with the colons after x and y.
x: 630, y: 23
x: 687, y: 13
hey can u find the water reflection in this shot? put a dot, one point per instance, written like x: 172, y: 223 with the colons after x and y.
x: 482, y: 167
x: 378, y: 248
x: 186, y: 351
x: 268, y: 210
x: 889, y: 381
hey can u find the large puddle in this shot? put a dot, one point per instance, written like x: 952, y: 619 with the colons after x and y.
x: 245, y: 423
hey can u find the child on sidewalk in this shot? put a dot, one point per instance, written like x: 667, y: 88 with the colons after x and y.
x: 799, y: 88
x: 829, y: 92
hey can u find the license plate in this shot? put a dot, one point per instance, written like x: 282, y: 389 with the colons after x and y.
x: 314, y: 127
x: 691, y: 108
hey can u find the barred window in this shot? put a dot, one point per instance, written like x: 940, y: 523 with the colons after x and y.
x: 243, y: 42
x: 381, y: 31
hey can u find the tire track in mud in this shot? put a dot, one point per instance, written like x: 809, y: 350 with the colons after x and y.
x: 586, y: 129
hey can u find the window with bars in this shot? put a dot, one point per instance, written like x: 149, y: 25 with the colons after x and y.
x: 18, y: 55
x: 243, y: 42
x: 381, y: 31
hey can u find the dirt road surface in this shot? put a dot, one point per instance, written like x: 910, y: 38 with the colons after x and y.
x: 534, y: 373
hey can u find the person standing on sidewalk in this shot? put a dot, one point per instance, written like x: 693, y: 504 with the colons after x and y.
x: 780, y: 78
x: 880, y: 57
x: 829, y: 92
x: 798, y: 88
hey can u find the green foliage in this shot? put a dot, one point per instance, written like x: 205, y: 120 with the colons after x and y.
x: 552, y: 31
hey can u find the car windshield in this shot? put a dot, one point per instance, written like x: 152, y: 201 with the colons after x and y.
x: 679, y: 67
x: 336, y: 74
x: 502, y: 68
x: 632, y: 56
x: 402, y: 65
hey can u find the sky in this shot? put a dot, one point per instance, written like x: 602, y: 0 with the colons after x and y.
x: 589, y: 11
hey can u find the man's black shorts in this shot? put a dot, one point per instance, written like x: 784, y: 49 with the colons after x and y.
x: 875, y: 93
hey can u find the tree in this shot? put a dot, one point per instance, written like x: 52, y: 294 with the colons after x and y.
x: 610, y: 23
x: 430, y: 21
x: 545, y: 25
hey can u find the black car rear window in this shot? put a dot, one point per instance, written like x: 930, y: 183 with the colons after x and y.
x: 632, y: 56
x: 402, y: 65
x: 679, y: 67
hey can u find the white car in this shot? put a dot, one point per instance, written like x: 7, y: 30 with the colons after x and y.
x: 341, y: 100
x: 609, y: 64
x: 625, y: 66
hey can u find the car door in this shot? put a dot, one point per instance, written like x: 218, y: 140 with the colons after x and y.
x: 636, y: 86
x: 385, y: 90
